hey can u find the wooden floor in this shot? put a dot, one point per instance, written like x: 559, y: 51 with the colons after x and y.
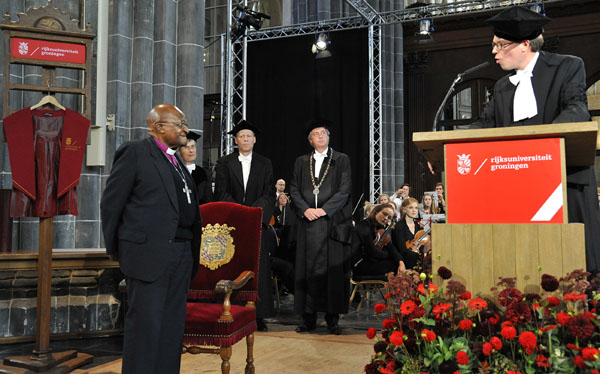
x: 281, y: 351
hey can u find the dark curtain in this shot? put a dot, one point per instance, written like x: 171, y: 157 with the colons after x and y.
x: 287, y: 86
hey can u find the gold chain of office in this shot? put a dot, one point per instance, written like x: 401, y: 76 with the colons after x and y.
x: 312, y: 173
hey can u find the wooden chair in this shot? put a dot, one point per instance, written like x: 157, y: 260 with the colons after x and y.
x: 230, y: 249
x: 368, y: 284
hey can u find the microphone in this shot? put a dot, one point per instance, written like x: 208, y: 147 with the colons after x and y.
x: 458, y: 78
x: 474, y: 69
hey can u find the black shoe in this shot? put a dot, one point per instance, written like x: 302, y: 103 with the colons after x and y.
x: 335, y: 329
x: 305, y: 328
x: 261, y: 325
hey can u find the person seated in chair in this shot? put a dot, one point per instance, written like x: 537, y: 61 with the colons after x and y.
x: 378, y: 259
x: 405, y: 231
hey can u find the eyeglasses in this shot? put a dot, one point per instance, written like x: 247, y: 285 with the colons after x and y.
x: 179, y: 124
x: 501, y: 46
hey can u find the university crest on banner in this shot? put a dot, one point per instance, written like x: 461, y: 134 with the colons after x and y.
x: 217, y: 246
x: 463, y: 164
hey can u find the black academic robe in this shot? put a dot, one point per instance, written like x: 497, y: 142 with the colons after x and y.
x: 559, y: 86
x: 260, y: 192
x: 323, y: 246
x: 203, y: 185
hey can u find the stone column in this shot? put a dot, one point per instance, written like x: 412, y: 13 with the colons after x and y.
x: 190, y: 63
x: 165, y: 52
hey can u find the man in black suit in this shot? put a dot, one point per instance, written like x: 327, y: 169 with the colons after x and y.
x: 543, y: 88
x: 246, y: 178
x: 152, y: 225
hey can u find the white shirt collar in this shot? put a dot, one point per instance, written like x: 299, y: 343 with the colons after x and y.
x: 241, y: 157
x: 171, y: 152
x: 324, y: 154
x: 527, y: 72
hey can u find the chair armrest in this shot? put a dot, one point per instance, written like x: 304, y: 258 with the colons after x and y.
x: 227, y: 287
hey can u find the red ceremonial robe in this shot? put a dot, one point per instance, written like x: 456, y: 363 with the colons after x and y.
x: 46, y: 149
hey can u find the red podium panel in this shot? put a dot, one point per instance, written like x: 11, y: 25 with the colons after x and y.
x: 514, y: 181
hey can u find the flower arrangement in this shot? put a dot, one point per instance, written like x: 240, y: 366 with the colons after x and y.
x: 429, y: 329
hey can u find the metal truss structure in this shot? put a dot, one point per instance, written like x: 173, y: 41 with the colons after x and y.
x: 234, y: 77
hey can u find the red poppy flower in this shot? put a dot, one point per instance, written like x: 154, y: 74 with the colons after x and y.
x: 590, y: 354
x: 594, y: 371
x: 440, y: 309
x: 528, y: 341
x: 542, y: 361
x: 428, y: 335
x: 563, y: 318
x: 397, y: 338
x: 547, y: 328
x: 379, y: 308
x: 465, y: 296
x: 578, y: 361
x: 371, y: 333
x: 430, y: 289
x: 408, y: 307
x: 477, y: 304
x: 574, y: 297
x: 388, y: 295
x: 389, y: 323
x: 465, y: 324
x: 496, y: 343
x: 508, y: 332
x: 462, y: 358
x: 512, y: 372
x: 487, y: 348
x: 495, y: 319
x: 573, y: 346
x: 553, y: 301
x: 507, y: 323
x: 580, y: 326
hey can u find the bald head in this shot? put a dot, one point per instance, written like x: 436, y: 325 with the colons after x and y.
x: 280, y: 185
x: 166, y: 123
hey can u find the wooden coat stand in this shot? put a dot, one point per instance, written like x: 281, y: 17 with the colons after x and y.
x: 48, y: 24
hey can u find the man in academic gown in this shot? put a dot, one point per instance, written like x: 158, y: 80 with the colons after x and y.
x: 246, y: 178
x: 320, y: 188
x: 152, y: 224
x: 202, y: 180
x: 543, y: 88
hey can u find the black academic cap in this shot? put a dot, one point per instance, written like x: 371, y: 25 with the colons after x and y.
x: 193, y: 135
x: 517, y: 24
x: 244, y: 125
x: 313, y: 124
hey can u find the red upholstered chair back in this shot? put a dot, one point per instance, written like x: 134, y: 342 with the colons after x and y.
x: 246, y: 222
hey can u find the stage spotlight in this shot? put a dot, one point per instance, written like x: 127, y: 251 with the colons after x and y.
x: 425, y: 30
x: 320, y: 46
x: 246, y: 18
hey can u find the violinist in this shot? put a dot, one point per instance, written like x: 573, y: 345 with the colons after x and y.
x: 373, y: 241
x: 406, y: 229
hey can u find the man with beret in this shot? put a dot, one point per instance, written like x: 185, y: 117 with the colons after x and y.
x: 246, y: 178
x: 320, y: 188
x: 202, y: 181
x: 152, y: 225
x: 543, y: 88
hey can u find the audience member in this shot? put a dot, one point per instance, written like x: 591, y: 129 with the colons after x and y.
x: 383, y: 199
x: 427, y: 206
x: 441, y: 201
x: 280, y: 187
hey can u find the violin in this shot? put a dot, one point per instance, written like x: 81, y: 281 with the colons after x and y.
x: 382, y: 236
x: 422, y: 238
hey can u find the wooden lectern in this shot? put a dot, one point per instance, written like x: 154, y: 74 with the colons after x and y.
x: 495, y: 245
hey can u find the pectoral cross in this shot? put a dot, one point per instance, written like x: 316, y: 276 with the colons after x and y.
x: 187, y: 191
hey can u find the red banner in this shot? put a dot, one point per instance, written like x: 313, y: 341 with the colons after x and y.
x: 517, y: 181
x: 33, y: 49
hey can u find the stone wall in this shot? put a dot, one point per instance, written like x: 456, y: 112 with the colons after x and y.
x: 82, y: 300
